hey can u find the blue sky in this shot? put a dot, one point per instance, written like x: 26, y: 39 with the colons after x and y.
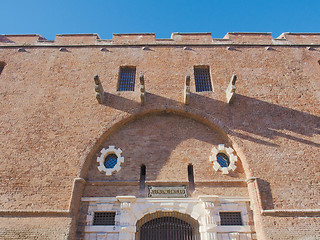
x: 105, y: 17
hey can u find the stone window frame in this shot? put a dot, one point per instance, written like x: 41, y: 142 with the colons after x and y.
x: 104, y: 153
x: 231, y: 207
x: 227, y: 151
x: 230, y: 224
x: 96, y: 222
x: 101, y: 206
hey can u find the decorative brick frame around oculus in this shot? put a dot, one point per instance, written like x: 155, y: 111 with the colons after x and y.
x: 101, y: 160
x: 229, y: 153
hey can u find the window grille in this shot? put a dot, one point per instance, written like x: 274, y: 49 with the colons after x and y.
x: 223, y: 160
x: 230, y: 218
x: 110, y: 161
x: 202, y: 79
x: 127, y: 79
x: 104, y: 218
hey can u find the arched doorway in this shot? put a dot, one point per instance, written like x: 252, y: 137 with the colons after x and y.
x: 167, y: 226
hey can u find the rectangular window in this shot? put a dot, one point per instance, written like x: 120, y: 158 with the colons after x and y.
x: 230, y: 218
x: 127, y: 79
x: 202, y: 79
x: 104, y: 218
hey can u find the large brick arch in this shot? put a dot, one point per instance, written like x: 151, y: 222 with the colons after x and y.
x: 126, y: 117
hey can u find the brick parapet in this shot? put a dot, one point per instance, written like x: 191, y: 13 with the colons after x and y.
x: 177, y: 39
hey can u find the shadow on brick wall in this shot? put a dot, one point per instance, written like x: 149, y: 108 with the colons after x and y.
x: 247, y: 118
x: 269, y: 120
x: 265, y: 194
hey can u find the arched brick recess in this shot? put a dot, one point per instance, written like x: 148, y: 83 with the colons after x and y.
x: 195, y: 114
x: 126, y: 117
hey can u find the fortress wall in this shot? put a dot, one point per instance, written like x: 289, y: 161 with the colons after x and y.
x: 51, y: 121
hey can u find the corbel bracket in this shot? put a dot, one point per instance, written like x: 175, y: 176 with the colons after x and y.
x: 99, y: 89
x: 187, y: 91
x: 142, y: 90
x: 231, y: 89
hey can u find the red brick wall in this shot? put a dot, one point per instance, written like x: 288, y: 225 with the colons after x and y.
x: 52, y: 126
x: 34, y: 228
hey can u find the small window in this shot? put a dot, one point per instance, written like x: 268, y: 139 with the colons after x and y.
x: 104, y: 218
x: 230, y: 218
x: 191, y: 178
x: 223, y: 160
x: 110, y: 161
x: 202, y: 79
x: 143, y: 171
x: 127, y: 79
x: 2, y: 64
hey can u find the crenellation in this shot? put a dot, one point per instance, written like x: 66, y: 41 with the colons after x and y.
x: 27, y: 39
x: 301, y: 38
x: 66, y: 39
x: 192, y: 38
x: 251, y: 38
x: 132, y: 38
x: 144, y: 39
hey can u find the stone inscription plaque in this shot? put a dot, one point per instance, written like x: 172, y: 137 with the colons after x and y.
x: 167, y: 191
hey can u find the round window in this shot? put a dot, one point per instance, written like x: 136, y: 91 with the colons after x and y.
x: 223, y: 160
x: 111, y: 160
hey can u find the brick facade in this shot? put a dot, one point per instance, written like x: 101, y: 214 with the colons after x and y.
x: 53, y: 128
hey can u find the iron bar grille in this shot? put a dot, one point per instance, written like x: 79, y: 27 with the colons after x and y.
x: 223, y: 160
x: 127, y: 79
x: 230, y: 218
x: 202, y: 79
x: 104, y: 218
x: 110, y: 161
x: 167, y: 226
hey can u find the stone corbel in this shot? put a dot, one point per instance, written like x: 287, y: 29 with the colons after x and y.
x: 99, y: 89
x: 208, y: 205
x: 126, y: 201
x: 187, y: 91
x: 231, y: 89
x: 208, y: 201
x: 142, y: 90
